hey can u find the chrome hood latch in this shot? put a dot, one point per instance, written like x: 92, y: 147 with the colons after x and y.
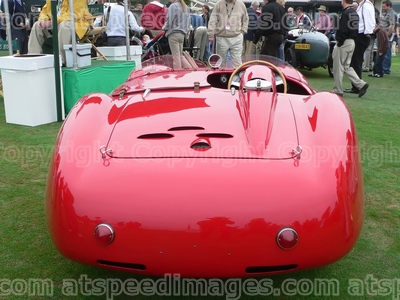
x: 104, y: 151
x: 296, y: 153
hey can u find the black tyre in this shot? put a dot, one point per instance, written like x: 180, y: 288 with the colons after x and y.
x: 291, y: 57
x: 330, y: 70
x: 330, y: 58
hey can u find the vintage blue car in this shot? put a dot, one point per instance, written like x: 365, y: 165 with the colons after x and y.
x: 308, y: 48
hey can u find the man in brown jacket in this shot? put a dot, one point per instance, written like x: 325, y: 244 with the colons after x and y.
x: 382, y: 41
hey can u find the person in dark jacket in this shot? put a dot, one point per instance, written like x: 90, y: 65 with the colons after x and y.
x: 206, y: 14
x: 17, y: 12
x: 248, y: 38
x: 272, y: 25
x: 3, y: 35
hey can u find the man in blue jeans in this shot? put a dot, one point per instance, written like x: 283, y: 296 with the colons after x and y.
x: 388, y: 21
x: 383, y: 45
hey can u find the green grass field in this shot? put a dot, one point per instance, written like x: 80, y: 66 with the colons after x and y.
x: 28, y: 259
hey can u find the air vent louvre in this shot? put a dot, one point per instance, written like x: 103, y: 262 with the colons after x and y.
x: 182, y: 128
x: 267, y: 269
x: 156, y: 136
x: 215, y: 135
x: 122, y: 265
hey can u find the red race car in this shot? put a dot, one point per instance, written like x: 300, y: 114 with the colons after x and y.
x: 207, y: 172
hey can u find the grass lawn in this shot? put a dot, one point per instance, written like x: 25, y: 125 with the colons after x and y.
x: 369, y: 271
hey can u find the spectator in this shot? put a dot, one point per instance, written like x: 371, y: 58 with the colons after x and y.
x: 388, y: 21
x: 344, y: 48
x: 206, y: 14
x: 228, y: 23
x: 281, y: 49
x: 290, y: 18
x: 200, y: 35
x: 369, y: 52
x: 3, y: 35
x: 324, y: 24
x: 302, y: 20
x: 41, y: 29
x: 382, y: 41
x: 139, y: 6
x: 154, y: 16
x: 17, y: 13
x: 176, y: 27
x: 146, y: 39
x: 206, y: 17
x: 366, y: 26
x: 116, y: 33
x: 272, y: 26
x: 248, y: 39
x: 355, y: 5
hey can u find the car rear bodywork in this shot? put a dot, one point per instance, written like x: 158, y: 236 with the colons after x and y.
x: 205, y: 181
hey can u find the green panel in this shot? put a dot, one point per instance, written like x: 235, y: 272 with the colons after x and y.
x: 100, y: 77
x: 4, y: 47
x: 96, y: 9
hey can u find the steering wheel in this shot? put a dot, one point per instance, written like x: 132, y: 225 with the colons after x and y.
x: 262, y: 62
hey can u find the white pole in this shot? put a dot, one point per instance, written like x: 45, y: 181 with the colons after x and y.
x: 128, y: 48
x: 73, y: 38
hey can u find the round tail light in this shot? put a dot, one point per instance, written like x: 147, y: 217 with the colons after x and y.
x: 287, y: 238
x: 104, y: 234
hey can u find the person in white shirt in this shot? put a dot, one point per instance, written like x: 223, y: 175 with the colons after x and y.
x: 116, y: 33
x: 366, y: 26
x: 302, y: 20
